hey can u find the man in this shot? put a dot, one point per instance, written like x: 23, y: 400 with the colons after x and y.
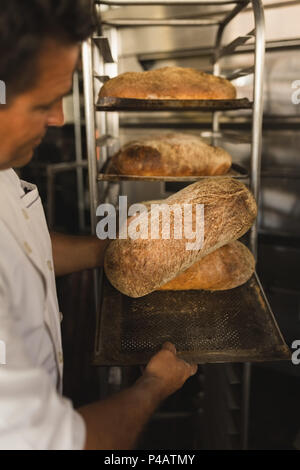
x: 39, y: 47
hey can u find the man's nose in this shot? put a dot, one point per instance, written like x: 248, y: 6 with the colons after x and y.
x: 56, y: 116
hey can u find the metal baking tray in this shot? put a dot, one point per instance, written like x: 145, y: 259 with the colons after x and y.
x: 236, y: 171
x: 132, y: 104
x: 236, y: 325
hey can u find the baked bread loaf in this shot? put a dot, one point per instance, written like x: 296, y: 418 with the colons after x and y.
x: 169, y: 83
x: 226, y: 268
x: 174, y: 154
x: 139, y: 266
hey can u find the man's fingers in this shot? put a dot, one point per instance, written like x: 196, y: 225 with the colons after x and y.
x: 169, y: 346
x: 194, y: 368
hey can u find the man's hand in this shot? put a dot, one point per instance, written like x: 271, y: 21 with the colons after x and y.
x: 115, y: 423
x: 168, y: 370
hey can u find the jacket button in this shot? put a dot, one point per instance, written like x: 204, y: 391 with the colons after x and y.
x: 25, y: 213
x: 27, y: 248
x: 60, y: 357
x: 49, y: 264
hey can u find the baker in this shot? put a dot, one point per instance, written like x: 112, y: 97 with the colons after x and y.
x: 39, y: 50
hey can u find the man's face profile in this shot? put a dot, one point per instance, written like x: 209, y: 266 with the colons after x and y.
x: 24, y: 122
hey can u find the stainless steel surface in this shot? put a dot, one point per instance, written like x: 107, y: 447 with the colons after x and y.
x: 271, y: 46
x: 87, y: 64
x: 102, y: 69
x: 240, y: 73
x: 104, y: 48
x: 102, y: 78
x: 229, y: 17
x: 168, y: 2
x: 107, y: 140
x: 156, y: 41
x: 228, y: 136
x: 230, y: 48
x: 144, y: 22
x: 112, y: 119
x: 257, y: 111
x: 216, y: 57
x: 108, y: 174
x: 90, y: 128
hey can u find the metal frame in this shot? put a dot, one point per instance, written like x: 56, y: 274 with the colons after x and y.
x: 256, y: 146
x: 167, y: 2
x: 144, y: 22
x: 106, y: 127
x: 78, y: 150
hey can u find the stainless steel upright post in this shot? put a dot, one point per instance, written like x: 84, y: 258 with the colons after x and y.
x: 88, y: 81
x: 257, y: 109
x: 217, y: 67
x: 255, y: 158
x: 78, y: 150
x: 87, y: 62
x: 257, y: 119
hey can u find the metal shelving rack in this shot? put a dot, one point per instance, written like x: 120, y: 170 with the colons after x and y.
x: 107, y: 62
x: 100, y: 54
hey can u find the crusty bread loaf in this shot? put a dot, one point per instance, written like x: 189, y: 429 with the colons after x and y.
x: 226, y: 268
x: 174, y: 154
x: 137, y: 267
x: 169, y: 83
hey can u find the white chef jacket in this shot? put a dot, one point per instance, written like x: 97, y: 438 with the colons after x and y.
x: 33, y: 414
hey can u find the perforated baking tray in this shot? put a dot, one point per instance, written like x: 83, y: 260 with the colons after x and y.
x: 236, y: 171
x: 132, y: 104
x: 236, y: 325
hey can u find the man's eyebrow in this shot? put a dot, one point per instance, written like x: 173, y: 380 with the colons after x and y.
x: 70, y: 90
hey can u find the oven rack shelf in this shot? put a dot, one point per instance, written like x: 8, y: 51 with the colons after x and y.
x: 236, y: 171
x: 139, y: 105
x: 169, y: 2
x: 211, y: 320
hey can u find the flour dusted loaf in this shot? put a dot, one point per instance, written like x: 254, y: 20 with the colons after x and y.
x: 226, y: 268
x: 139, y: 266
x: 169, y: 83
x: 174, y: 154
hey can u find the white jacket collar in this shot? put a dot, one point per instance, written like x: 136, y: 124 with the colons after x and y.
x: 13, y: 214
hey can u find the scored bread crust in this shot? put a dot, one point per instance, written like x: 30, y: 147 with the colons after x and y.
x: 226, y: 268
x: 169, y: 83
x: 137, y: 267
x: 172, y: 154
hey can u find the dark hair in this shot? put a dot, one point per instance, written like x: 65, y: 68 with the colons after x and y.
x: 23, y: 26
